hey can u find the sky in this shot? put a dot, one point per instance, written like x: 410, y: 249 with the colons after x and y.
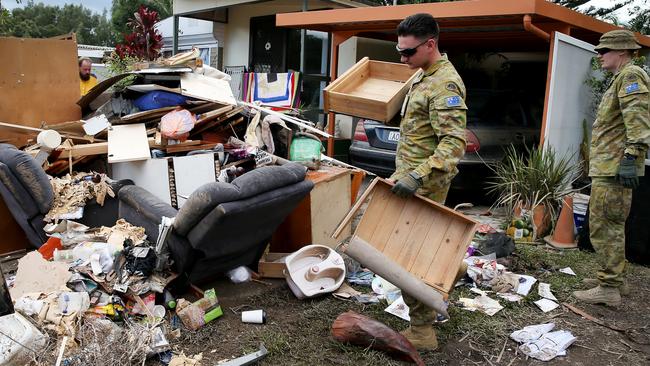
x: 97, y: 6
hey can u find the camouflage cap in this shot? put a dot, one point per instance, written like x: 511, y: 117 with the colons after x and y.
x: 619, y: 39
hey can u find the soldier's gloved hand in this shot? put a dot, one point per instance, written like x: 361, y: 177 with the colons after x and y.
x: 627, y: 172
x: 407, y: 186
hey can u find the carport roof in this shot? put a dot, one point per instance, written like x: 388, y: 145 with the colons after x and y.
x: 474, y: 24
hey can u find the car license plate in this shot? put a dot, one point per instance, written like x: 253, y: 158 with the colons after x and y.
x: 393, y: 136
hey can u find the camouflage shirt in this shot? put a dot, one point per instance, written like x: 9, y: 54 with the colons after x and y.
x: 432, y: 130
x: 622, y: 123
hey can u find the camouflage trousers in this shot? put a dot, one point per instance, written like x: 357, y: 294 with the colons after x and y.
x: 609, y: 207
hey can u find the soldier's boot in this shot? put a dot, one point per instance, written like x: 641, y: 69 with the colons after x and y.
x: 592, y: 282
x: 422, y: 337
x: 600, y: 295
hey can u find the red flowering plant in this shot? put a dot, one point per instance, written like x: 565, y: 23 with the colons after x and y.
x: 145, y: 42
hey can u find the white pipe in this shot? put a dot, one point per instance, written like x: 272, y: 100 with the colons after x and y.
x: 286, y: 118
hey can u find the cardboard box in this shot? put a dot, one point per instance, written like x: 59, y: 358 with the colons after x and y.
x: 370, y: 89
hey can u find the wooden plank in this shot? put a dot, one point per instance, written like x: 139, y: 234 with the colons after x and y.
x: 370, y: 219
x: 447, y: 260
x: 415, y: 240
x: 272, y: 265
x: 210, y: 115
x: 357, y: 180
x: 172, y: 149
x: 391, y: 71
x: 207, y: 88
x: 402, y: 230
x: 346, y: 220
x: 128, y: 143
x: 431, y: 244
x: 34, y: 131
x: 387, y: 221
x: 145, y: 115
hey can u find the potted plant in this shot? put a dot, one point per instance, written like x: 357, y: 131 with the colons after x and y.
x: 534, y: 183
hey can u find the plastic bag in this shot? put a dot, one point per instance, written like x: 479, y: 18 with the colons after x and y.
x: 159, y: 99
x: 240, y: 274
x: 177, y: 124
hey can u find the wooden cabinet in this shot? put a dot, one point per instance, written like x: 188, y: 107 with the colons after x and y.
x: 316, y: 217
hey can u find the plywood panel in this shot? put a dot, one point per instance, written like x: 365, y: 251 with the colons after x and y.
x: 402, y: 230
x: 387, y: 222
x: 448, y: 248
x: 128, y: 143
x: 376, y: 207
x: 39, y: 81
x: 191, y: 172
x: 207, y: 88
x: 415, y: 240
x: 330, y: 201
x: 439, y: 226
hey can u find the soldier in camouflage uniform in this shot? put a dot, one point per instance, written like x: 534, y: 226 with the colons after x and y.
x: 432, y: 138
x: 619, y: 144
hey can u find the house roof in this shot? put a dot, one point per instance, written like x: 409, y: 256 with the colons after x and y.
x: 477, y: 24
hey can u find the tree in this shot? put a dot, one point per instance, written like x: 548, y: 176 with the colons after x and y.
x: 40, y: 21
x: 641, y: 20
x: 123, y: 10
x: 145, y: 41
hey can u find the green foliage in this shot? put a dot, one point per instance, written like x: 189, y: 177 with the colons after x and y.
x: 123, y: 10
x: 42, y: 21
x: 116, y: 64
x: 537, y: 177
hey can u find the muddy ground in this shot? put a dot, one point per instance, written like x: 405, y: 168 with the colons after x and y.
x: 298, y: 332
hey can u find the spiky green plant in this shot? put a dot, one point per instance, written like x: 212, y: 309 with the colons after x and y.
x: 536, y: 177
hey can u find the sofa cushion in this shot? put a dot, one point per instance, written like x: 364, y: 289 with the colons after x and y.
x: 210, y: 195
x: 30, y: 175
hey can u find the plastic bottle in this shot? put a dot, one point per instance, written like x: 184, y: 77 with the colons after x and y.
x: 169, y: 300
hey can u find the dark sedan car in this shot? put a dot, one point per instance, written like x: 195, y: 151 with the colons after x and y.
x: 495, y: 119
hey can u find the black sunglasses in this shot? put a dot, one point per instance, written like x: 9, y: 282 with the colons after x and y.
x: 603, y: 51
x: 408, y: 52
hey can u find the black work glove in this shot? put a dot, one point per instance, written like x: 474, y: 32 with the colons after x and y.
x: 407, y: 186
x: 627, y: 172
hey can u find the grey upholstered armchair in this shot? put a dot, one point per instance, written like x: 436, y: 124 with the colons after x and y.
x: 222, y: 225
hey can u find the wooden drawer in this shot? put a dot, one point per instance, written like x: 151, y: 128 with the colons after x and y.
x: 370, y: 89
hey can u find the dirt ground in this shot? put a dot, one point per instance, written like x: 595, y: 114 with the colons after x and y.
x: 298, y: 331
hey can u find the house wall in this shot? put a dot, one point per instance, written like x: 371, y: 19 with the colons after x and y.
x: 237, y: 31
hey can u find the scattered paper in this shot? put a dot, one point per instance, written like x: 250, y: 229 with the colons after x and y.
x: 546, y: 305
x: 525, y: 284
x: 483, y: 304
x: 531, y: 332
x: 399, y: 309
x: 345, y: 292
x: 544, y: 290
x: 549, y: 345
x: 510, y: 297
x: 568, y: 271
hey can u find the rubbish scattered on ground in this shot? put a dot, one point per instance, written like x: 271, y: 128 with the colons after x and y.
x: 568, y: 271
x: 249, y: 359
x: 361, y: 278
x: 544, y: 290
x: 547, y: 345
x: 72, y: 192
x: 546, y: 305
x: 525, y: 284
x: 499, y: 243
x: 182, y: 360
x: 399, y: 309
x: 253, y: 316
x: 531, y: 332
x: 345, y: 292
x: 32, y: 273
x: 592, y: 318
x: 510, y: 297
x: 482, y: 303
x: 363, y: 331
x: 314, y: 270
x: 197, y: 314
x: 240, y: 274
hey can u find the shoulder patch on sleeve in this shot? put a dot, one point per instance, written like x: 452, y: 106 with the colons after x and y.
x: 451, y: 87
x: 631, y: 77
x: 454, y: 101
x: 631, y: 88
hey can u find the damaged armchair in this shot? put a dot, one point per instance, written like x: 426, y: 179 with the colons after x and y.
x: 222, y: 225
x: 27, y: 192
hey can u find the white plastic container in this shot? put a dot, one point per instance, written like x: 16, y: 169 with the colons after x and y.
x: 21, y: 330
x: 314, y: 270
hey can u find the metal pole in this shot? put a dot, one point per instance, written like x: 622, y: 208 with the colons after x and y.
x: 175, y: 37
x: 302, y: 40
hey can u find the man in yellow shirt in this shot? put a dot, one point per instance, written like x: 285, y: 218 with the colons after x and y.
x: 86, y: 79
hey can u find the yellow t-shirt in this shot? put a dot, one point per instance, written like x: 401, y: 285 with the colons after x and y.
x: 86, y: 85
